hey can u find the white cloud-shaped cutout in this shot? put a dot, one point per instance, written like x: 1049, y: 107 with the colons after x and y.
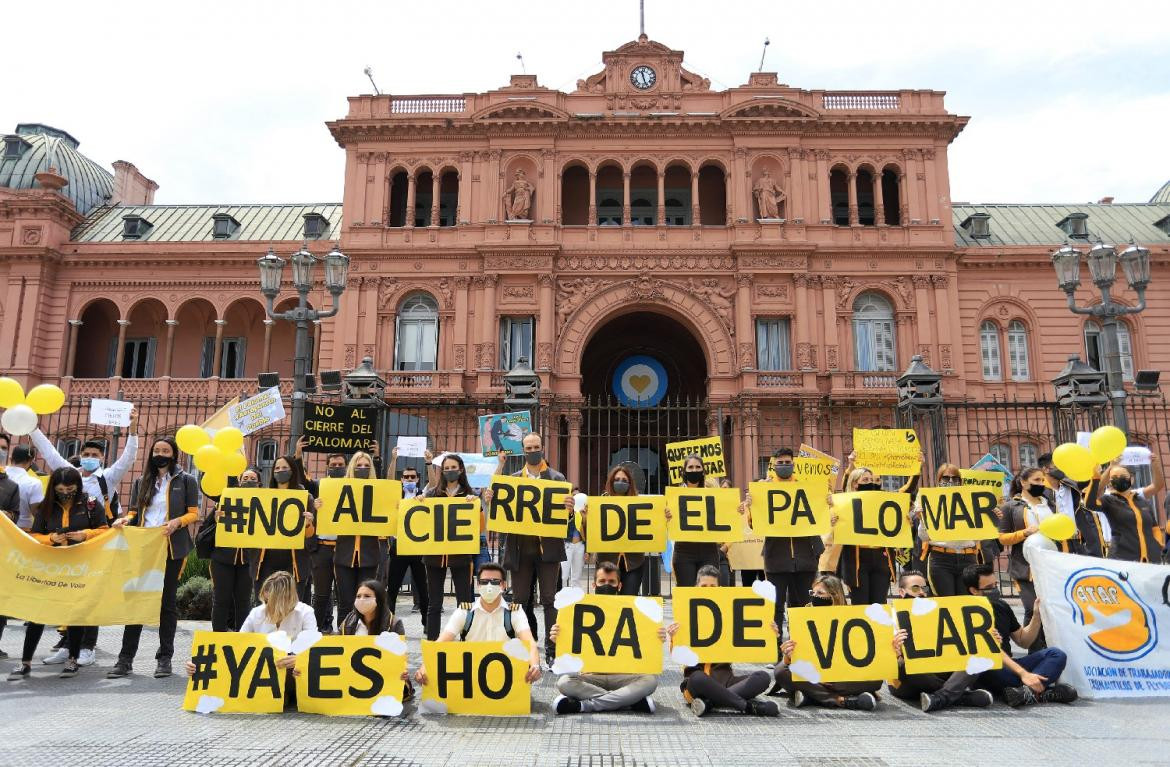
x: 977, y: 664
x: 208, y: 703
x: 922, y: 606
x: 517, y: 648
x: 766, y: 589
x: 151, y: 580
x: 387, y: 705
x: 567, y: 664
x: 432, y: 706
x: 879, y: 614
x: 685, y: 655
x: 806, y: 670
x: 279, y: 639
x: 568, y: 596
x: 305, y: 640
x: 391, y: 643
x: 117, y: 542
x: 650, y: 608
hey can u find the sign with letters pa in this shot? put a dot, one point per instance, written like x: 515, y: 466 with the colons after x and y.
x: 616, y: 524
x: 604, y: 634
x: 529, y: 506
x: 485, y: 678
x: 873, y: 519
x: 259, y: 518
x: 789, y: 509
x: 710, y: 449
x: 887, y: 451
x: 352, y: 675
x: 438, y: 526
x: 948, y: 634
x: 359, y: 506
x: 235, y: 673
x: 729, y: 624
x: 705, y: 515
x: 339, y: 428
x: 964, y: 513
x: 842, y: 644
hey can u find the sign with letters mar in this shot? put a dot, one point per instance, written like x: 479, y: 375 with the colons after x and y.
x: 616, y: 524
x: 710, y: 449
x: 485, y: 678
x: 235, y: 673
x: 339, y: 428
x: 873, y: 518
x: 260, y: 518
x: 964, y: 513
x: 888, y: 451
x: 529, y: 506
x: 789, y: 509
x: 705, y: 515
x: 352, y: 675
x: 948, y: 634
x: 359, y: 506
x: 842, y: 644
x: 604, y: 634
x: 438, y: 526
x: 729, y: 624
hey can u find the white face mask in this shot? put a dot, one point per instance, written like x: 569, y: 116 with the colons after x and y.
x: 490, y: 592
x: 365, y: 605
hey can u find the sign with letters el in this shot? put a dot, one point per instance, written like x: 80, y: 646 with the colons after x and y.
x: 948, y: 634
x: 616, y: 524
x: 888, y: 451
x: 438, y: 526
x: 529, y: 506
x: 235, y: 673
x: 710, y: 449
x: 964, y: 513
x: 842, y: 644
x: 727, y: 624
x: 873, y: 518
x: 359, y: 506
x: 260, y: 518
x: 604, y: 634
x: 705, y: 515
x: 352, y: 675
x: 789, y: 509
x: 485, y: 678
x: 339, y: 428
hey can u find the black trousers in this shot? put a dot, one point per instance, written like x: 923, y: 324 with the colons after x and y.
x: 944, y: 573
x: 322, y: 562
x: 686, y: 568
x: 89, y: 638
x: 738, y: 691
x: 461, y: 577
x: 949, y: 687
x: 32, y: 637
x: 545, y: 574
x: 873, y: 586
x: 791, y: 590
x: 825, y: 694
x: 631, y: 579
x: 396, y: 573
x: 748, y: 577
x: 348, y: 580
x: 168, y: 620
x: 231, y: 595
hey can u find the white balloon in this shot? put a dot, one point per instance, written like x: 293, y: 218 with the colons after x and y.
x: 19, y: 420
x: 1035, y: 542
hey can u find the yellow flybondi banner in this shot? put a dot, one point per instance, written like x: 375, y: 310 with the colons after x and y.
x: 438, y: 526
x: 618, y: 524
x: 964, y: 513
x: 710, y: 449
x: 873, y: 519
x: 352, y: 675
x: 729, y: 624
x: 789, y: 509
x: 603, y: 634
x: 359, y: 507
x: 888, y: 451
x: 254, y: 518
x: 842, y: 644
x: 115, y: 579
x: 948, y: 634
x: 529, y: 506
x: 236, y: 673
x: 705, y: 515
x: 485, y: 678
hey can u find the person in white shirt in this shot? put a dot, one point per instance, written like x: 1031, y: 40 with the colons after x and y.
x: 31, y: 490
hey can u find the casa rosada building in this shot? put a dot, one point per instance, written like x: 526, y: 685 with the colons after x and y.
x: 764, y: 247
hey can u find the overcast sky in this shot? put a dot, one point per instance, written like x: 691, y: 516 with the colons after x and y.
x: 226, y: 102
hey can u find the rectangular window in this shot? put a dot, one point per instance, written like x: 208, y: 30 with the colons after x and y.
x: 417, y: 344
x: 137, y: 358
x: 773, y: 351
x: 875, y: 345
x: 516, y: 334
x: 1018, y: 353
x: 231, y: 359
x: 989, y: 352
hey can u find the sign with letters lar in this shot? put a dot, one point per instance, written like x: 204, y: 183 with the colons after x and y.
x: 704, y: 515
x: 873, y: 518
x: 439, y: 526
x: 608, y: 634
x: 842, y: 644
x: 485, y: 678
x: 359, y: 506
x: 948, y: 634
x: 618, y: 524
x: 260, y: 518
x: 529, y: 506
x: 964, y: 513
x: 726, y: 624
x: 789, y: 509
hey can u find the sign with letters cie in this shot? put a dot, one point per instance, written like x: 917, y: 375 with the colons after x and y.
x: 529, y: 507
x: 620, y: 524
x: 887, y: 451
x: 873, y: 519
x: 259, y: 518
x: 485, y: 678
x: 359, y: 507
x: 710, y: 449
x: 339, y: 428
x: 842, y: 644
x: 948, y: 634
x: 964, y: 513
x: 603, y: 634
x: 789, y: 509
x: 705, y: 515
x: 725, y: 625
x: 438, y: 526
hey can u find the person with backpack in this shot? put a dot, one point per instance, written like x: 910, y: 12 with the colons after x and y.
x: 231, y: 574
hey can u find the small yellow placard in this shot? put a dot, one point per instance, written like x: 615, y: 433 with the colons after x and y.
x: 612, y: 634
x: 873, y: 519
x: 710, y: 449
x: 948, y: 634
x: 485, y: 678
x: 842, y: 644
x: 528, y: 506
x: 262, y: 519
x: 888, y: 451
x: 724, y: 625
x: 789, y: 509
x: 439, y: 526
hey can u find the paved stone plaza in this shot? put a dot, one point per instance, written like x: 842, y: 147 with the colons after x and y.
x: 94, y: 722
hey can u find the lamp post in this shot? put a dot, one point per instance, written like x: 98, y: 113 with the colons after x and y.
x: 1103, y: 260
x: 271, y: 272
x: 920, y: 403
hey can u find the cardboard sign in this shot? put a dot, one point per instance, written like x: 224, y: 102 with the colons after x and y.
x: 789, y: 509
x: 359, y: 507
x: 990, y: 463
x: 724, y: 625
x: 815, y: 468
x: 705, y: 515
x: 485, y: 678
x: 995, y: 480
x: 747, y: 554
x: 887, y: 451
x: 439, y: 526
x: 235, y: 673
x: 964, y: 513
x: 808, y: 451
x: 259, y: 518
x: 621, y: 524
x: 710, y: 449
x: 948, y: 634
x: 529, y: 507
x: 339, y: 428
x: 110, y: 412
x: 352, y: 675
x: 873, y: 519
x: 412, y: 447
x: 256, y: 412
x: 602, y: 634
x: 480, y: 470
x: 504, y: 431
x: 842, y: 644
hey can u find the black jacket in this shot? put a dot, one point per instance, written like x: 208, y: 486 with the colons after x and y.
x: 1090, y: 538
x: 552, y: 549
x: 85, y: 514
x: 183, y: 500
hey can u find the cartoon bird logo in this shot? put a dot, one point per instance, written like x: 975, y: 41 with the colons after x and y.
x: 1116, y: 622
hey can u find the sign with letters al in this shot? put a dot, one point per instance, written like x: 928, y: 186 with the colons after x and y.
x: 873, y: 518
x: 887, y: 451
x: 604, y: 634
x: 352, y: 675
x: 842, y: 644
x: 964, y: 513
x: 616, y: 524
x: 235, y: 673
x: 259, y: 518
x: 948, y: 634
x: 728, y: 624
x: 438, y: 526
x: 710, y: 449
x: 789, y: 509
x: 485, y: 678
x: 705, y: 515
x: 359, y: 506
x: 339, y: 428
x: 529, y: 506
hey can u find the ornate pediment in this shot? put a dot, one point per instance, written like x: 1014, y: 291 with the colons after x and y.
x: 769, y: 109
x: 659, y: 69
x: 520, y: 111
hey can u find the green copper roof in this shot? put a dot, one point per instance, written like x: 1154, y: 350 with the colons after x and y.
x: 194, y: 223
x: 1163, y: 194
x: 1036, y: 224
x: 42, y: 147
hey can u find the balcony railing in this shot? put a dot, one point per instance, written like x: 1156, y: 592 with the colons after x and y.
x: 427, y: 105
x: 866, y: 101
x: 779, y: 380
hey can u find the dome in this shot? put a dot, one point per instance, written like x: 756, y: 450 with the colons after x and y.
x: 1163, y: 194
x: 34, y: 148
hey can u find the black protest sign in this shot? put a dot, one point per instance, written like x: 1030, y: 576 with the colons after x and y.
x: 339, y: 428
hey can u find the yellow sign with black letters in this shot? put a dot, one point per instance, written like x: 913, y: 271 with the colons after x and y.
x: 524, y: 506
x: 352, y: 676
x: 964, y: 513
x: 485, y: 678
x: 359, y: 507
x: 873, y: 519
x: 258, y: 518
x: 789, y: 509
x: 723, y: 625
x: 704, y: 515
x: 610, y: 635
x: 439, y: 526
x: 235, y: 673
x: 615, y: 524
x: 948, y: 634
x: 888, y: 451
x: 842, y: 644
x: 710, y: 449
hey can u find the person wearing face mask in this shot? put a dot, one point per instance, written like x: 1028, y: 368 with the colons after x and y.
x: 690, y: 556
x: 287, y: 474
x: 321, y: 558
x: 593, y: 693
x: 167, y: 498
x: 1071, y: 499
x: 867, y: 570
x: 397, y: 565
x: 97, y: 481
x: 1021, y: 518
x: 372, y: 615
x: 9, y: 505
x: 630, y: 566
x: 452, y: 483
x: 1132, y: 512
x: 946, y: 560
x: 231, y: 575
x: 32, y: 492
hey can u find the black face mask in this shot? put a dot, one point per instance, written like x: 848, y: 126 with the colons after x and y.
x: 784, y: 470
x: 867, y: 487
x: 362, y: 473
x: 336, y: 472
x: 621, y: 487
x: 816, y: 601
x: 161, y: 461
x: 451, y: 475
x: 1121, y: 484
x: 250, y: 483
x: 1036, y: 491
x: 693, y: 477
x: 534, y: 458
x: 282, y: 476
x: 66, y: 498
x: 606, y: 589
x: 992, y: 593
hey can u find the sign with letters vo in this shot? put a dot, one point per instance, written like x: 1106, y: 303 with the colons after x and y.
x: 964, y: 513
x: 438, y: 526
x: 359, y: 506
x: 789, y: 509
x: 842, y: 644
x: 603, y: 634
x: 257, y: 518
x: 948, y: 634
x: 706, y: 515
x: 485, y: 678
x: 724, y: 625
x: 619, y: 524
x: 529, y: 506
x: 873, y: 519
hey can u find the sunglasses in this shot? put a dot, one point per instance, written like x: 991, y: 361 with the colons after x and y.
x: 490, y: 581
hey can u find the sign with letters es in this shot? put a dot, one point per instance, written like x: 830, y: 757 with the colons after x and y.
x: 964, y: 513
x: 359, y: 506
x: 724, y: 625
x: 887, y: 451
x: 260, y: 518
x: 485, y: 678
x: 234, y: 673
x: 339, y: 428
x: 705, y: 515
x: 873, y: 518
x: 529, y: 506
x: 616, y: 524
x: 948, y: 634
x: 604, y: 634
x: 789, y: 509
x: 352, y: 675
x: 710, y: 449
x: 438, y: 526
x: 842, y: 644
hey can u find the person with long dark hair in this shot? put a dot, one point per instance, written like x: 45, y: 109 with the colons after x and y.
x: 287, y: 474
x: 452, y: 482
x: 1132, y: 511
x: 619, y: 482
x: 1022, y: 515
x: 690, y: 557
x: 357, y: 558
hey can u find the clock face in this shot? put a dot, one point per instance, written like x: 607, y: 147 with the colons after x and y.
x: 643, y: 78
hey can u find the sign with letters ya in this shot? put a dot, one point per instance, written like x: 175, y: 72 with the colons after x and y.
x: 964, y: 513
x: 604, y: 634
x: 260, y: 518
x: 887, y: 451
x: 705, y: 515
x: 873, y: 518
x: 438, y: 526
x: 789, y: 509
x: 485, y: 678
x: 842, y: 644
x: 728, y: 624
x: 235, y: 673
x: 529, y: 506
x: 617, y: 524
x: 710, y: 449
x: 948, y: 634
x: 359, y: 506
x: 352, y: 675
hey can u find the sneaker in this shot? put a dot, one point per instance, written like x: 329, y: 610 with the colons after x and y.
x: 699, y: 706
x: 1019, y: 696
x: 70, y: 670
x: 1059, y: 693
x: 976, y: 699
x: 86, y: 658
x: 20, y: 672
x: 163, y: 669
x: 119, y: 670
x: 60, y: 656
x: 3, y: 655
x: 863, y: 702
x: 762, y: 708
x: 644, y: 706
x: 798, y: 699
x: 930, y: 702
x: 563, y: 704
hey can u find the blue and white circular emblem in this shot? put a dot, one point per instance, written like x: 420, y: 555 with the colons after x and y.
x: 639, y: 381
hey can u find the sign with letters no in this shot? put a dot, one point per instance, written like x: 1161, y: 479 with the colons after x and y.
x: 258, y: 518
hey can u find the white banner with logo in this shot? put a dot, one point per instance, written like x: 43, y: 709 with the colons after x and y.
x: 1111, y: 618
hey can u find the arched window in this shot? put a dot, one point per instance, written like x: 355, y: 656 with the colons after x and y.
x: 417, y: 333
x: 1002, y: 452
x: 1028, y: 454
x: 1017, y: 344
x: 989, y: 351
x: 1095, y: 348
x: 873, y: 333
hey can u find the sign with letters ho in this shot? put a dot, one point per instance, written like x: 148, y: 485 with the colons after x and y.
x: 485, y: 678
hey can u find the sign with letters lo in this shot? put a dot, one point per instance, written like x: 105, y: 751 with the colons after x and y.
x: 710, y: 449
x: 603, y: 634
x: 615, y: 524
x: 842, y: 644
x: 948, y: 634
x: 888, y: 451
x: 964, y: 513
x: 359, y: 506
x: 259, y: 518
x: 438, y: 526
x: 352, y: 675
x: 789, y: 509
x: 529, y: 506
x: 235, y: 673
x: 485, y: 678
x: 705, y: 515
x: 725, y: 624
x: 873, y: 519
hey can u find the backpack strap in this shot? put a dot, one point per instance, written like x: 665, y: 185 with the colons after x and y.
x: 466, y: 620
x: 111, y: 500
x: 511, y: 632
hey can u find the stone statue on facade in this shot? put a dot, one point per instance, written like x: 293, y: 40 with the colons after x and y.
x: 768, y: 196
x: 518, y: 198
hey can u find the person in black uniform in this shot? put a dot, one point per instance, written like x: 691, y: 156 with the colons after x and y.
x: 867, y: 570
x: 689, y: 556
x: 452, y: 483
x: 287, y: 474
x: 631, y: 566
x: 1070, y: 498
x: 231, y: 575
x: 321, y: 557
x: 1132, y: 512
x: 356, y: 558
x: 398, y: 565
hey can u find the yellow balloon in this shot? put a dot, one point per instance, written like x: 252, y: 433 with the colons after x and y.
x: 229, y: 439
x: 45, y: 399
x: 235, y: 464
x: 1106, y: 443
x: 213, y: 483
x: 11, y: 393
x: 191, y: 437
x: 1058, y: 527
x: 209, y: 458
x: 1074, y: 460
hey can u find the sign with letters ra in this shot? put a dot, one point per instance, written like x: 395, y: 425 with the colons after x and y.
x: 842, y: 644
x: 235, y: 673
x: 485, y: 678
x: 259, y: 518
x: 887, y: 451
x: 603, y: 634
x: 725, y: 624
x: 352, y: 675
x: 964, y: 513
x: 789, y: 509
x: 873, y: 519
x: 948, y: 634
x: 359, y: 506
x: 438, y: 526
x: 710, y: 449
x: 339, y: 428
x: 618, y: 524
x: 709, y: 515
x: 529, y: 506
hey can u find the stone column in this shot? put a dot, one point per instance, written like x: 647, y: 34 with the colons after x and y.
x: 823, y: 210
x: 71, y: 354
x: 743, y: 321
x: 460, y: 336
x: 488, y: 324
x: 626, y: 198
x: 266, y: 359
x: 853, y: 221
x: 796, y: 176
x: 573, y: 468
x: 120, y: 352
x: 879, y: 208
x: 660, y: 214
x: 924, y: 329
x: 833, y: 352
x: 436, y: 180
x: 217, y: 357
x: 696, y: 212
x: 545, y: 325
x: 903, y: 200
x: 410, y: 182
x: 930, y: 188
x: 170, y: 353
x: 802, y: 323
x: 949, y: 330
x: 592, y: 220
